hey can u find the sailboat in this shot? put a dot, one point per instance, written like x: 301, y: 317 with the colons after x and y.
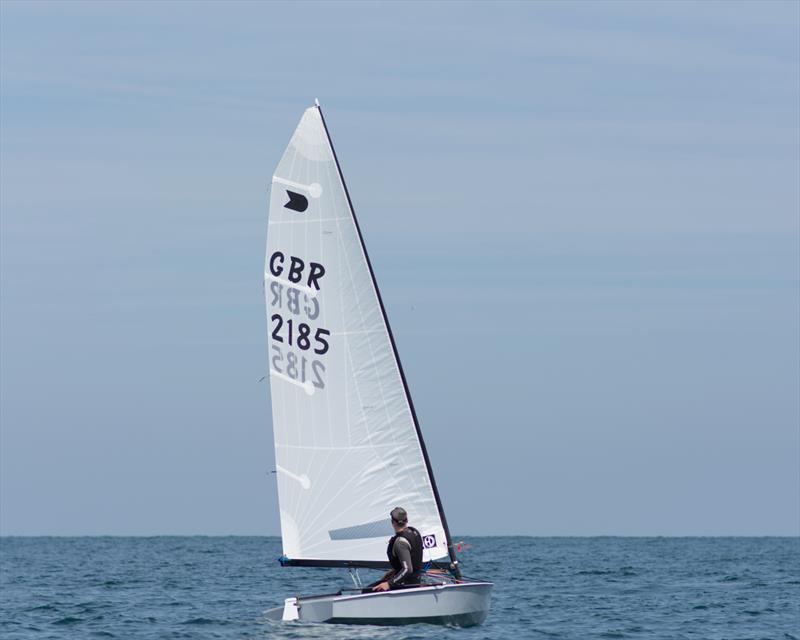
x: 348, y: 445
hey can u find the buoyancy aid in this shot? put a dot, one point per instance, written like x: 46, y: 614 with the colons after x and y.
x: 415, y: 540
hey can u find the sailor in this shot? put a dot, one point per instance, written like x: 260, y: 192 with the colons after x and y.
x: 405, y: 554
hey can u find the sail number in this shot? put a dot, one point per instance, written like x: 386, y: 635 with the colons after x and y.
x: 298, y: 368
x: 289, y: 297
x: 299, y: 336
x: 296, y: 310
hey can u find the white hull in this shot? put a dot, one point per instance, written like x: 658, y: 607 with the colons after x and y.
x: 464, y: 604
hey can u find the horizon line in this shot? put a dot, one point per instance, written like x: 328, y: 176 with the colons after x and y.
x: 503, y: 535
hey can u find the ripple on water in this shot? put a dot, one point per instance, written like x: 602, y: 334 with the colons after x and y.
x: 43, y: 607
x: 201, y: 621
x: 556, y: 587
x: 624, y: 572
x: 113, y: 583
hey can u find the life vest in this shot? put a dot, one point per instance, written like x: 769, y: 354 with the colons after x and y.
x: 415, y: 540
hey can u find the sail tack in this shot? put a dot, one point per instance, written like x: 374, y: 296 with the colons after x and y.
x: 346, y: 444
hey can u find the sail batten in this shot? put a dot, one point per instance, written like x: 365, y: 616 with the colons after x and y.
x: 347, y: 441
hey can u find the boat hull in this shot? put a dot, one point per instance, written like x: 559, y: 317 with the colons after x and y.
x: 464, y: 604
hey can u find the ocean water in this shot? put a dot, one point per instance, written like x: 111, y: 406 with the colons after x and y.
x: 200, y: 587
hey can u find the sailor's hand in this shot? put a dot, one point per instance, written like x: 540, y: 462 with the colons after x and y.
x: 383, y: 586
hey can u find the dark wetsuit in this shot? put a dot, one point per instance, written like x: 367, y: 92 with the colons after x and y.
x: 405, y: 555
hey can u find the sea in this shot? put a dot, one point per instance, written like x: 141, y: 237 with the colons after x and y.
x: 219, y: 587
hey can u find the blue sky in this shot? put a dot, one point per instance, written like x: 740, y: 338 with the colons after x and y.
x: 583, y: 218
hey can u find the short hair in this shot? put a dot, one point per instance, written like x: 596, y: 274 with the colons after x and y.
x: 399, y: 515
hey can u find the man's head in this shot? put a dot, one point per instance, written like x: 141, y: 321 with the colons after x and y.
x: 399, y: 518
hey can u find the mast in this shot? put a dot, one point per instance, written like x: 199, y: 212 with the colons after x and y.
x: 450, y: 546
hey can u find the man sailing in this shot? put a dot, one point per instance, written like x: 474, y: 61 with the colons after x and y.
x: 405, y: 555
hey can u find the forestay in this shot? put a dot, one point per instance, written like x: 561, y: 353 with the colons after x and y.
x: 347, y: 445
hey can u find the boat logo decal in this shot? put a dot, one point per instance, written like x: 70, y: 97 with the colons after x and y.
x: 429, y: 541
x: 297, y: 201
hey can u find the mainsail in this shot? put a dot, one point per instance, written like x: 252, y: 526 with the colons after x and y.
x: 347, y: 443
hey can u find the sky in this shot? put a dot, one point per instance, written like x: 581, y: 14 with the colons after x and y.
x: 584, y: 219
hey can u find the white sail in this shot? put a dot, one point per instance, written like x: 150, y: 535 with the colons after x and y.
x: 347, y: 446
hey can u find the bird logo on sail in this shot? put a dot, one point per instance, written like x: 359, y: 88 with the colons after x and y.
x: 297, y: 202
